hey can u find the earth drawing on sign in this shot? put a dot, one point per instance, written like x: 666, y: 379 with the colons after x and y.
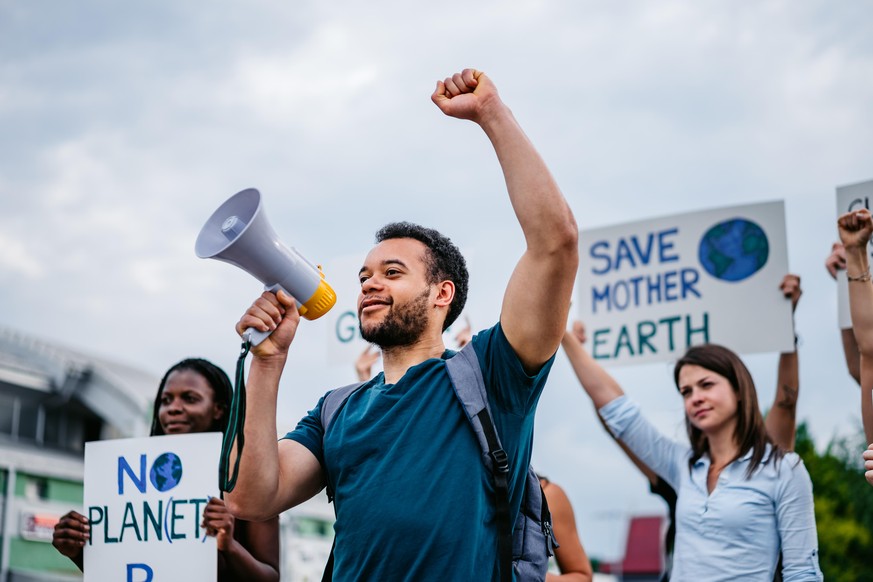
x: 734, y: 249
x: 166, y: 472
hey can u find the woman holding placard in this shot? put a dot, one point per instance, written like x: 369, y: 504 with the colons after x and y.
x: 194, y: 396
x: 855, y: 231
x: 741, y: 499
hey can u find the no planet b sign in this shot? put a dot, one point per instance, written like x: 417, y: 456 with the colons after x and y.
x: 649, y: 290
x: 145, y: 498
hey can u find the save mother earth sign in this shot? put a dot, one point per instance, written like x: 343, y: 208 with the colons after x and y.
x: 648, y: 290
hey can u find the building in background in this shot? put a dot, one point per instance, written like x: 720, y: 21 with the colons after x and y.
x: 52, y: 400
x: 307, y: 537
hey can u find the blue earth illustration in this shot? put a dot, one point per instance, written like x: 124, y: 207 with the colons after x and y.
x: 734, y: 250
x: 166, y: 472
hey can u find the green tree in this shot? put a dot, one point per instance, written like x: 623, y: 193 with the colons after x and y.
x: 843, y: 506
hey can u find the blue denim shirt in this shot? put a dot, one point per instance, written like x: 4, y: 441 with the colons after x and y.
x: 737, y: 531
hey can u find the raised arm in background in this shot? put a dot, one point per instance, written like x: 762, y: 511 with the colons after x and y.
x: 781, y: 421
x: 855, y: 231
x: 537, y: 298
x: 364, y: 363
x: 596, y: 382
x: 836, y: 262
x: 850, y: 351
x: 577, y: 334
x: 603, y: 389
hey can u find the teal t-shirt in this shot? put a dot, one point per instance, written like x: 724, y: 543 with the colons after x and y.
x: 413, y: 498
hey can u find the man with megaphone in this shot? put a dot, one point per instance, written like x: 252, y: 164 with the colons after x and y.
x: 413, y: 498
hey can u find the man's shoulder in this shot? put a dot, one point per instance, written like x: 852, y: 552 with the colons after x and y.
x: 490, y: 338
x: 336, y: 398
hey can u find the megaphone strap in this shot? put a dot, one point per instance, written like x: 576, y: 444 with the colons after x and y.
x: 235, y: 424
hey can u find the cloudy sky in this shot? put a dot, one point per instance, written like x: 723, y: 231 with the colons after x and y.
x: 126, y: 124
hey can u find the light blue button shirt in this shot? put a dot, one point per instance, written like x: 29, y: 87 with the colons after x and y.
x: 736, y: 532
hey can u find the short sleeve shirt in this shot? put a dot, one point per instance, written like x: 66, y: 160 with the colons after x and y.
x: 413, y: 498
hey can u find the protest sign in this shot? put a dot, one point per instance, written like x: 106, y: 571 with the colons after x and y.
x: 648, y: 290
x: 849, y: 198
x: 344, y: 338
x: 145, y: 499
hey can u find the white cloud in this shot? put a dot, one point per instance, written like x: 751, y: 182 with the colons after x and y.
x: 16, y: 260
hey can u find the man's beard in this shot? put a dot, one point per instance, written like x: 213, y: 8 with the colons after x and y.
x: 403, y: 325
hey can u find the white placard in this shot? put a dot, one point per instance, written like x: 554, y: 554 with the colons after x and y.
x: 849, y: 198
x: 344, y: 342
x: 648, y: 290
x: 145, y: 498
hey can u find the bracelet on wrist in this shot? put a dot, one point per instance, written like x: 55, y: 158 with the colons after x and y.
x: 863, y: 277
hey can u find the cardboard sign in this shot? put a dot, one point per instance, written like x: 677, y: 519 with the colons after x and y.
x: 649, y: 290
x: 344, y: 336
x: 849, y: 198
x: 145, y: 498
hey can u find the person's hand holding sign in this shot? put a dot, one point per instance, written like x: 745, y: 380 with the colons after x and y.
x: 836, y: 261
x: 218, y: 522
x: 790, y: 287
x: 71, y: 533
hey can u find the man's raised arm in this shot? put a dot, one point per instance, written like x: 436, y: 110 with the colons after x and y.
x: 272, y: 476
x: 537, y: 299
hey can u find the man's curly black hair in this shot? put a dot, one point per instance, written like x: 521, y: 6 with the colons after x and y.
x: 444, y: 261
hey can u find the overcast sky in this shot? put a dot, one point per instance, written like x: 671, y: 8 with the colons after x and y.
x: 126, y: 124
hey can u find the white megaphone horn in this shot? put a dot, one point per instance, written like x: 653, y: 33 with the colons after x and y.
x: 239, y: 233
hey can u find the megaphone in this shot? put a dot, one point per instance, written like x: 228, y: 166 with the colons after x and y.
x: 239, y: 233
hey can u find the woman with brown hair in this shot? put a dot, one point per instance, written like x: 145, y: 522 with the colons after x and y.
x: 741, y: 499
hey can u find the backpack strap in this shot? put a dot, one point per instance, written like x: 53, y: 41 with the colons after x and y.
x: 469, y: 385
x: 330, y: 406
x: 333, y: 401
